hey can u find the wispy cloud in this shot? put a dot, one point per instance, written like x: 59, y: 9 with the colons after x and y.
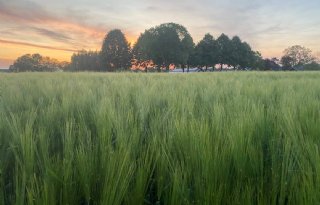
x: 52, y: 34
x: 36, y: 45
x: 24, y: 11
x: 24, y: 16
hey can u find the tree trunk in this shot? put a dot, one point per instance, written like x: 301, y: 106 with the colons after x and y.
x: 188, y: 68
x: 221, y: 66
x: 206, y: 68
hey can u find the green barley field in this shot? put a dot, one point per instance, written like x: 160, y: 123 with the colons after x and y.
x: 117, y: 139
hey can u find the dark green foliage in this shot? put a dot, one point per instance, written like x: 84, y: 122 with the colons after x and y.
x: 247, y: 56
x: 85, y: 61
x: 287, y: 62
x: 166, y: 44
x: 37, y: 63
x: 236, y: 56
x: 271, y: 64
x: 142, y: 49
x: 242, y: 55
x: 257, y: 61
x: 206, y: 51
x: 115, y: 52
x: 312, y: 66
x: 224, y: 46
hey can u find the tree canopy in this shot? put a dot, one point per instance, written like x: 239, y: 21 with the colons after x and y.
x: 236, y: 55
x: 312, y: 66
x: 165, y: 44
x: 37, y: 62
x: 206, y: 51
x: 85, y: 61
x: 115, y: 52
x: 271, y: 64
x: 224, y: 50
x: 297, y: 56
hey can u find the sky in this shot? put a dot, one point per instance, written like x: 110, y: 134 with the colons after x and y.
x: 59, y: 28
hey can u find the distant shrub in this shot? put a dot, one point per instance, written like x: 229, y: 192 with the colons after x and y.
x: 85, y: 61
x: 312, y: 66
x: 38, y: 63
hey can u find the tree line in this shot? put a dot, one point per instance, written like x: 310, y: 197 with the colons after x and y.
x: 167, y: 46
x: 37, y: 63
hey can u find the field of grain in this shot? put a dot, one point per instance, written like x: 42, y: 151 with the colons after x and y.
x: 116, y: 139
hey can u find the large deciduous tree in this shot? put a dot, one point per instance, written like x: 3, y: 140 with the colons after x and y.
x: 242, y: 56
x: 248, y: 57
x: 257, y: 62
x: 115, y: 52
x: 224, y: 50
x: 236, y: 55
x: 206, y: 52
x: 287, y: 62
x: 271, y: 64
x: 296, y: 56
x: 166, y: 44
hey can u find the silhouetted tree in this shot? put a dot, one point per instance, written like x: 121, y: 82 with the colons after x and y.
x: 142, y: 50
x: 194, y: 59
x: 115, y: 52
x: 287, y: 62
x: 224, y: 50
x: 297, y: 56
x: 248, y: 57
x: 85, y: 61
x: 257, y: 62
x: 271, y: 64
x: 236, y: 55
x: 206, y: 52
x: 37, y: 63
x: 166, y: 44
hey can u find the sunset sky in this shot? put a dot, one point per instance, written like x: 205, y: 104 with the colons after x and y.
x: 59, y: 28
